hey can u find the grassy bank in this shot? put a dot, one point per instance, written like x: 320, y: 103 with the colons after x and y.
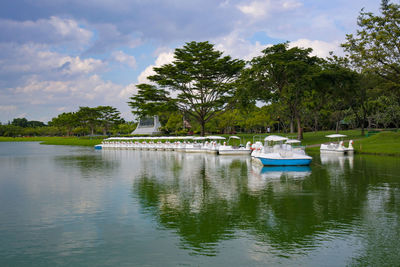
x: 310, y: 138
x: 68, y: 141
x: 385, y: 143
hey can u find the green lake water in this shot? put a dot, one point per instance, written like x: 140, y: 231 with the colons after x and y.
x: 74, y: 206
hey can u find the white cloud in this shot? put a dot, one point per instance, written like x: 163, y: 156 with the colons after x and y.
x: 8, y: 108
x: 76, y: 65
x: 22, y: 115
x: 263, y: 8
x: 72, y: 91
x: 320, y: 48
x: 128, y: 91
x: 31, y: 59
x: 162, y: 59
x: 109, y: 37
x: 53, y: 30
x: 255, y: 9
x: 291, y: 4
x: 238, y: 47
x: 123, y: 58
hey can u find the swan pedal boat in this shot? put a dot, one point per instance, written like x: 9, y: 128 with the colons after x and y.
x: 277, y: 153
x: 227, y: 149
x: 337, y: 147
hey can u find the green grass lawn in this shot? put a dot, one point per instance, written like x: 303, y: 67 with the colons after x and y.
x: 385, y: 143
x: 70, y: 141
x: 310, y: 138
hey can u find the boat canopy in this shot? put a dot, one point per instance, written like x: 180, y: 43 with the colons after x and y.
x: 151, y: 138
x: 234, y: 137
x: 292, y: 141
x: 275, y: 138
x: 199, y: 138
x: 215, y: 137
x: 336, y: 135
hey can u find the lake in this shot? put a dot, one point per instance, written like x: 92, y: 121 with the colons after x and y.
x: 74, y: 206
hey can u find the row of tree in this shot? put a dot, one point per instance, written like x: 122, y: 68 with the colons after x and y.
x: 103, y: 120
x: 298, y: 90
x: 103, y: 117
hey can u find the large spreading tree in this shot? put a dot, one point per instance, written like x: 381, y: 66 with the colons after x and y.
x: 200, y: 82
x: 282, y: 74
x: 108, y: 117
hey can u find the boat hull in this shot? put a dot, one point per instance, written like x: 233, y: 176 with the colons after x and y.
x: 337, y: 151
x: 194, y: 150
x: 234, y: 152
x: 284, y: 162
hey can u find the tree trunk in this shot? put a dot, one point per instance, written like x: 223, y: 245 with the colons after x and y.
x: 315, y: 123
x: 337, y: 126
x: 291, y: 125
x: 364, y: 118
x: 203, y: 126
x: 299, y: 129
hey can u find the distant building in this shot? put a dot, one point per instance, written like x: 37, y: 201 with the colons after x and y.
x: 148, y: 126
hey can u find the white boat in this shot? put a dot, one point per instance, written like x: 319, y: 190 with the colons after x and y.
x: 213, y: 146
x: 196, y: 147
x: 337, y: 147
x: 180, y: 146
x: 227, y: 149
x: 277, y: 153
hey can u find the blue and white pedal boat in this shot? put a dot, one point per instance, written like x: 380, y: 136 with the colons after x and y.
x: 277, y: 153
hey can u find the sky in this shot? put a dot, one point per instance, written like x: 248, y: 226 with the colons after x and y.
x: 59, y: 55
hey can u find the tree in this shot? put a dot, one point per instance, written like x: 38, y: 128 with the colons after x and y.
x: 284, y: 75
x: 339, y: 89
x: 150, y: 101
x: 124, y: 128
x: 201, y: 80
x: 174, y: 123
x: 376, y: 46
x: 65, y: 120
x: 108, y: 117
x: 35, y: 124
x: 21, y: 122
x: 89, y: 117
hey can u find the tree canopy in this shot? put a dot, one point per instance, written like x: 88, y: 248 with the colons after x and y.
x: 284, y: 75
x: 376, y: 45
x: 200, y: 82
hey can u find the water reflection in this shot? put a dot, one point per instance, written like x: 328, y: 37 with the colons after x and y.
x: 167, y: 208
x: 286, y: 211
x: 90, y: 166
x: 206, y: 199
x: 186, y: 197
x: 338, y: 162
x: 283, y: 171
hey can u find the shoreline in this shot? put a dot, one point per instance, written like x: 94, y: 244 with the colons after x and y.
x: 382, y: 144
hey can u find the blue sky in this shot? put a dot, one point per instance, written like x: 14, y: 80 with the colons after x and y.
x: 58, y: 55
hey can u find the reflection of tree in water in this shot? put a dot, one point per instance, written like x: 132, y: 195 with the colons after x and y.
x: 89, y: 165
x: 201, y: 218
x: 213, y: 201
x: 381, y: 212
